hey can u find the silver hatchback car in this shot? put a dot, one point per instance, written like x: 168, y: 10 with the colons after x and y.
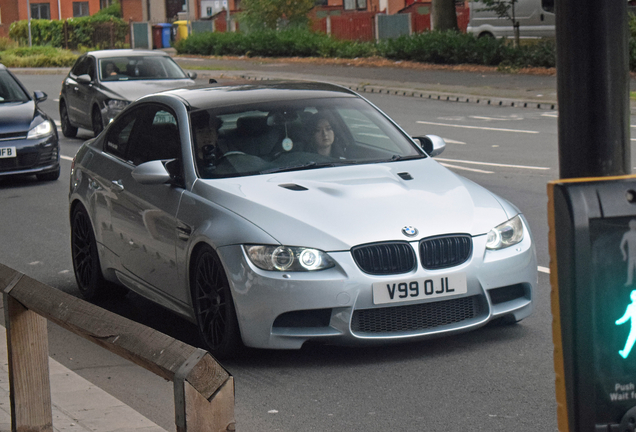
x: 273, y: 214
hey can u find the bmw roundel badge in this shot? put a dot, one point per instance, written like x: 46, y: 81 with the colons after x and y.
x: 409, y: 231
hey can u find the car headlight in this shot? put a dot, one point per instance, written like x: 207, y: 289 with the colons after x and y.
x: 116, y: 104
x: 286, y: 258
x: 43, y: 129
x: 505, y: 235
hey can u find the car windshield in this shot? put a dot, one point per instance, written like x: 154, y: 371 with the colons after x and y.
x: 139, y: 68
x: 274, y: 137
x: 10, y: 90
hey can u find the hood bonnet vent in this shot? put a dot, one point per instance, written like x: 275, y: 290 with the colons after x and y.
x: 293, y: 186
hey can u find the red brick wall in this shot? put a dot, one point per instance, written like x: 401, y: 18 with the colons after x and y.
x: 131, y: 9
x: 9, y: 10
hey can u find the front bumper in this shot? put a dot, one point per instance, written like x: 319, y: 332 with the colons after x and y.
x: 33, y: 156
x: 284, y: 310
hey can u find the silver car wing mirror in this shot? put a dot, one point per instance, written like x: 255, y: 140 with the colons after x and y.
x: 433, y: 145
x: 39, y: 96
x: 151, y: 173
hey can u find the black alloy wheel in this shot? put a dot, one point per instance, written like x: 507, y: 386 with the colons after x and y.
x: 68, y: 130
x: 98, y: 125
x: 88, y: 272
x: 213, y: 305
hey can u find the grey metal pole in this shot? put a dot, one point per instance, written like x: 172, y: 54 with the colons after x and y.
x: 29, y: 23
x: 593, y: 88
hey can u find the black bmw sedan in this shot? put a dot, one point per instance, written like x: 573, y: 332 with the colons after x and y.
x: 28, y: 137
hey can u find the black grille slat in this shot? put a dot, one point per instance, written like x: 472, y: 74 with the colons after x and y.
x: 415, y: 317
x: 447, y: 251
x: 13, y: 135
x: 385, y: 258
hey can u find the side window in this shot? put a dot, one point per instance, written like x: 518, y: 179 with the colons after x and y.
x: 119, y: 135
x: 91, y: 68
x: 81, y: 67
x: 156, y: 137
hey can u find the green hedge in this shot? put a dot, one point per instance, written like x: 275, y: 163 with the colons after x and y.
x: 80, y: 31
x: 429, y: 47
x: 37, y: 56
x: 272, y: 43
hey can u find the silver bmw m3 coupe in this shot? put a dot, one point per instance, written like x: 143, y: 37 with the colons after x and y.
x: 274, y: 214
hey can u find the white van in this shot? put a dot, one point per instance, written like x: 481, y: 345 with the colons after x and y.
x: 536, y: 19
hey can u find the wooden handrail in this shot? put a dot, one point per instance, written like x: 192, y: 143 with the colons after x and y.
x: 203, y: 389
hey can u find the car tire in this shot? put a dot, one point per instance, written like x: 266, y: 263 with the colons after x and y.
x: 49, y: 176
x: 213, y: 305
x: 86, y: 266
x: 96, y: 119
x: 68, y: 130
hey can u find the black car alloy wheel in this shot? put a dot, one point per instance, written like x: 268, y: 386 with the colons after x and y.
x: 88, y: 272
x: 214, y: 307
x: 68, y: 129
x: 85, y: 257
x: 98, y: 125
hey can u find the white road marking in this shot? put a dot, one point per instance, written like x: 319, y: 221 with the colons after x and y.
x: 466, y: 169
x: 450, y: 141
x: 553, y: 114
x: 543, y: 269
x: 478, y: 127
x: 66, y: 158
x: 56, y: 100
x: 493, y: 164
x: 57, y: 123
x: 496, y: 118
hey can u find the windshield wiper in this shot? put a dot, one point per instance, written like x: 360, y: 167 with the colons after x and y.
x: 308, y: 165
x: 409, y: 157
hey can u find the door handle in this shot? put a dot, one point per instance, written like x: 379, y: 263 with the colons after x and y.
x: 119, y: 186
x: 542, y: 17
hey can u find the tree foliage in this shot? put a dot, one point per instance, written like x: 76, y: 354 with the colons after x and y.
x: 273, y: 14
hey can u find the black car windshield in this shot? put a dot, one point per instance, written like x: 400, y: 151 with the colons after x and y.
x: 279, y: 136
x: 139, y: 68
x: 10, y: 90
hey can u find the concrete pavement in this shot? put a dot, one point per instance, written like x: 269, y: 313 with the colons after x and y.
x: 78, y: 405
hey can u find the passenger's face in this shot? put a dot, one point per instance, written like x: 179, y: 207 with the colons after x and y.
x: 204, y: 136
x: 323, y: 134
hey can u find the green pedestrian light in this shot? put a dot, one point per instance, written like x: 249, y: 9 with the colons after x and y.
x: 593, y: 277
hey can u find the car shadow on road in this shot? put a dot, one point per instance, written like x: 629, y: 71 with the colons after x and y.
x: 313, y: 354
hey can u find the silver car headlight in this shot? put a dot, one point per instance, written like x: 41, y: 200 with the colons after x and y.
x: 43, y: 129
x: 287, y: 258
x: 507, y: 234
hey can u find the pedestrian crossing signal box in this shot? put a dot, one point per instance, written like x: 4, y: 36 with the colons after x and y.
x: 593, y: 276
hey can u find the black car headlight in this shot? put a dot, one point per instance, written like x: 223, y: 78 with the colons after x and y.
x: 507, y: 234
x: 288, y: 258
x: 43, y: 129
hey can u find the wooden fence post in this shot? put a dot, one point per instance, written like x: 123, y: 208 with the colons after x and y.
x: 28, y: 356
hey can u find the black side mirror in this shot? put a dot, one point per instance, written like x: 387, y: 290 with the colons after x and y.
x: 39, y: 96
x: 212, y: 81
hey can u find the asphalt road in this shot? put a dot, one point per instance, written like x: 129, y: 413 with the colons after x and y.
x: 499, y: 378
